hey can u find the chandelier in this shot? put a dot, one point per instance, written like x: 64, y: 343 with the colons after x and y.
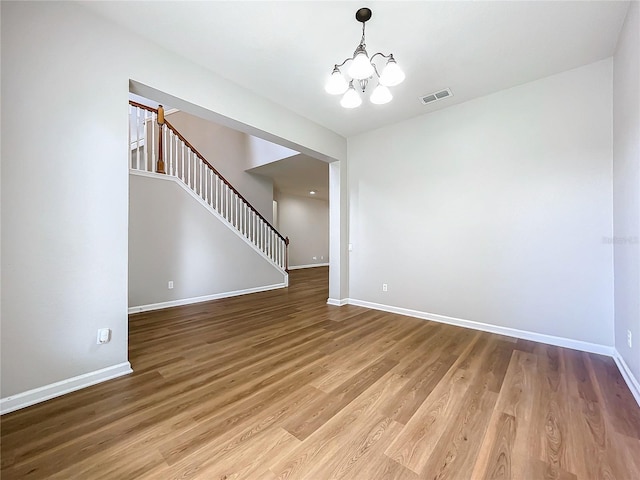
x: 362, y: 70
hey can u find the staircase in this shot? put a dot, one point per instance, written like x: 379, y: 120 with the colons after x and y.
x: 156, y: 146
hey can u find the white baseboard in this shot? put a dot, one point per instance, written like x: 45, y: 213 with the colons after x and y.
x: 311, y: 265
x: 337, y: 303
x: 47, y: 392
x: 632, y: 382
x: 205, y: 298
x: 485, y: 327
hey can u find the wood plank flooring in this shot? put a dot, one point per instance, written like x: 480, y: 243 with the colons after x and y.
x: 278, y: 385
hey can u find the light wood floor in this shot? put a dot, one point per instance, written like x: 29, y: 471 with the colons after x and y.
x: 278, y: 385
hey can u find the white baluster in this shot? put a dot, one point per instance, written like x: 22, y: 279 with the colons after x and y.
x: 144, y: 131
x: 166, y: 140
x: 241, y: 218
x: 168, y: 150
x: 176, y: 157
x: 205, y: 172
x: 211, y: 180
x: 232, y: 207
x: 180, y: 164
x: 215, y: 192
x: 173, y: 146
x: 209, y: 185
x: 226, y: 201
x: 149, y: 168
x: 223, y: 199
x: 130, y: 120
x: 189, y: 168
x: 254, y: 233
x: 134, y: 117
x: 236, y: 201
x: 222, y: 192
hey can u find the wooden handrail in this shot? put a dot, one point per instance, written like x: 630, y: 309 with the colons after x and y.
x: 139, y: 105
x: 204, y: 160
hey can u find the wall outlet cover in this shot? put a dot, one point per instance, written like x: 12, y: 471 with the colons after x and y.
x: 104, y: 336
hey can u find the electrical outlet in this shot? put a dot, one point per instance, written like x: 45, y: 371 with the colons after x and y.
x: 315, y: 258
x: 384, y: 287
x: 321, y: 257
x: 629, y: 338
x: 170, y: 284
x: 104, y: 336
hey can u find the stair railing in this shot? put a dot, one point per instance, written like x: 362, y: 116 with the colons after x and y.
x: 156, y: 146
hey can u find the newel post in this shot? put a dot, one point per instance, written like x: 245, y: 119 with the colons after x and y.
x: 160, y: 164
x: 286, y: 255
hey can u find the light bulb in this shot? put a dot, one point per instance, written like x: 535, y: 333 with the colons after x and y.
x: 351, y: 99
x: 392, y: 75
x: 360, y: 67
x: 380, y: 95
x: 337, y: 84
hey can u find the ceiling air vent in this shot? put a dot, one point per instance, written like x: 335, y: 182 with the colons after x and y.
x: 433, y: 97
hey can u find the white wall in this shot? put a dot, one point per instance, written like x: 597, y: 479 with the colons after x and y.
x: 626, y: 189
x: 338, y: 234
x: 173, y: 237
x: 228, y: 151
x: 493, y: 210
x: 260, y: 152
x: 66, y: 75
x: 306, y: 222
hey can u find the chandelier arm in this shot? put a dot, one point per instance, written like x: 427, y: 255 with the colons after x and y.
x: 338, y: 65
x: 381, y: 54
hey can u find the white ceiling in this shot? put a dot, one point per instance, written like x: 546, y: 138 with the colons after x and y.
x: 284, y: 51
x: 298, y: 175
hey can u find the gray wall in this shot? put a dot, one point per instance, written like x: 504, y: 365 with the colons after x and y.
x: 228, y: 151
x: 173, y: 237
x: 493, y: 210
x: 66, y: 74
x: 626, y: 189
x: 306, y: 222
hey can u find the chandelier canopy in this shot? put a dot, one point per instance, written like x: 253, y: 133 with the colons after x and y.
x: 362, y: 70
